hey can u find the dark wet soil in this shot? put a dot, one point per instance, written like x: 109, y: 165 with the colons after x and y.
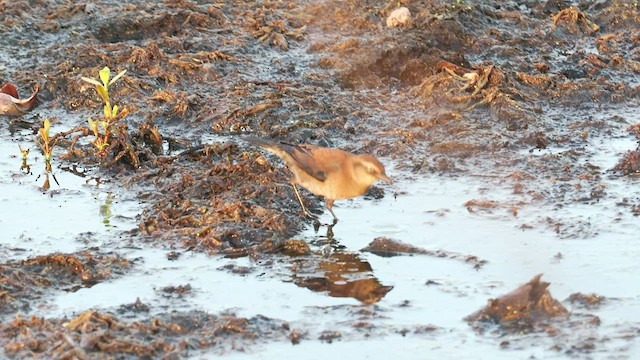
x: 468, y: 88
x: 173, y: 336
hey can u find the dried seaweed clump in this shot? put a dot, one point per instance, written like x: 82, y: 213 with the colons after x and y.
x: 221, y: 199
x: 521, y: 309
x: 167, y: 336
x: 268, y: 26
x: 25, y: 282
x: 630, y: 163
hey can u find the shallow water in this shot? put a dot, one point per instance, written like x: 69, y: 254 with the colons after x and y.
x: 427, y: 213
x: 74, y: 214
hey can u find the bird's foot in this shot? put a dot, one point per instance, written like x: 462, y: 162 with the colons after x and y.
x: 316, y: 225
x: 330, y: 232
x: 307, y: 214
x: 316, y: 222
x: 330, y: 228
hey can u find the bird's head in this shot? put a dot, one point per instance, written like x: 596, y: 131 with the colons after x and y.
x: 367, y: 170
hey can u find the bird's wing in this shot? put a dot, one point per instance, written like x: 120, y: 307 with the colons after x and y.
x: 304, y: 157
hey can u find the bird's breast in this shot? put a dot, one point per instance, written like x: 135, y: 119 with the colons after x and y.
x: 336, y: 186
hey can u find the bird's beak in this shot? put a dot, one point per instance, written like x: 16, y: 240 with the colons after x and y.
x: 384, y: 178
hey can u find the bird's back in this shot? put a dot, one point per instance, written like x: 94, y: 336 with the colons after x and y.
x: 323, y: 171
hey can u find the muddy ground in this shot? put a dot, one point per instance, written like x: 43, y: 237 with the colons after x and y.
x: 518, y: 96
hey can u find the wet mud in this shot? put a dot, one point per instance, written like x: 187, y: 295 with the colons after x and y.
x: 535, y: 100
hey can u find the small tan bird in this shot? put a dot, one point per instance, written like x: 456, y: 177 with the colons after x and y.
x: 331, y: 173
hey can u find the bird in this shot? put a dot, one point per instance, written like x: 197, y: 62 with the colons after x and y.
x: 331, y: 173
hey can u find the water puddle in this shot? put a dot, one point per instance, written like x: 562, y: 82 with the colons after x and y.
x: 72, y: 215
x: 425, y: 297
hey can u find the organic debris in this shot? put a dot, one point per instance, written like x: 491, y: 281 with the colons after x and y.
x: 25, y: 283
x: 574, y: 19
x: 386, y: 247
x: 522, y: 309
x: 587, y: 301
x: 166, y: 335
x: 11, y: 104
x: 630, y: 163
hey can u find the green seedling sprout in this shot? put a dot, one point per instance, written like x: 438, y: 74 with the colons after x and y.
x: 101, y: 142
x: 103, y: 89
x: 111, y: 113
x: 24, y: 153
x: 46, y: 143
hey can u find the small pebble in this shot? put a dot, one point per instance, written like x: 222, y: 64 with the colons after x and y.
x: 400, y: 17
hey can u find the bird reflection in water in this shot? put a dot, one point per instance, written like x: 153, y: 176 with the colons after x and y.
x: 341, y: 274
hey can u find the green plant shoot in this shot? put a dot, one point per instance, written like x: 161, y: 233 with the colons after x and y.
x: 24, y: 153
x: 46, y: 143
x: 103, y: 89
x: 100, y: 142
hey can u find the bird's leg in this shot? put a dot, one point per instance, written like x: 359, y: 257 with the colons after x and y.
x: 330, y: 232
x: 329, y: 203
x: 304, y: 209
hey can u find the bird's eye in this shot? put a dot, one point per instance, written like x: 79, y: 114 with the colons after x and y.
x: 371, y: 171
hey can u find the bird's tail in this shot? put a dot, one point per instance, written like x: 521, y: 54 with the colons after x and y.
x: 266, y: 144
x: 277, y: 148
x: 283, y: 150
